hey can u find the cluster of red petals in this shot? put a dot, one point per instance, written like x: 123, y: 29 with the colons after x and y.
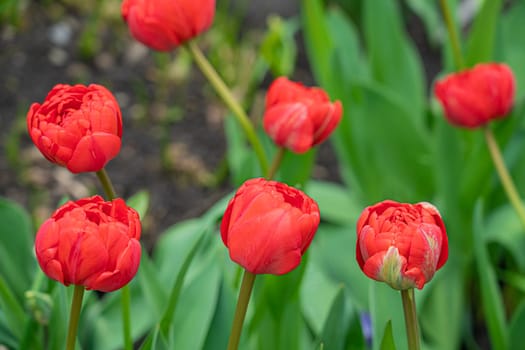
x: 268, y: 226
x: 298, y: 117
x: 165, y: 24
x: 474, y: 97
x: 92, y: 243
x: 79, y: 127
x: 401, y: 244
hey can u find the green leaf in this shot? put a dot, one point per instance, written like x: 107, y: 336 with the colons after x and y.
x: 17, y: 261
x: 242, y: 162
x: 480, y: 44
x: 221, y: 323
x: 517, y: 325
x: 278, y: 47
x: 140, y: 202
x: 490, y: 294
x: 335, y: 329
x: 296, y: 169
x: 394, y: 60
x: 385, y: 307
x: 335, y: 202
x: 510, y: 44
x: 387, y: 343
x: 319, y: 41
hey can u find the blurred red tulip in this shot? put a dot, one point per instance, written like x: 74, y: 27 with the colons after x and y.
x: 401, y: 244
x: 79, y: 127
x: 268, y: 226
x: 92, y: 243
x: 298, y: 117
x: 474, y: 97
x: 165, y: 24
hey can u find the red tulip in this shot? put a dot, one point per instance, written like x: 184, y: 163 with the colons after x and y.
x: 268, y: 226
x: 92, y: 243
x: 165, y: 24
x: 474, y: 97
x: 79, y: 127
x: 401, y: 244
x: 298, y: 117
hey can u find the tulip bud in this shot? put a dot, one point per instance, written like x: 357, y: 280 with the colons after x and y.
x: 474, y: 97
x: 165, y: 24
x: 79, y: 127
x: 298, y: 117
x: 268, y: 226
x: 92, y: 243
x: 401, y: 244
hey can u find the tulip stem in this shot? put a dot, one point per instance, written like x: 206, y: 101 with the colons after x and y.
x: 76, y: 305
x: 503, y: 172
x: 240, y: 311
x: 276, y: 162
x: 226, y: 95
x: 106, y: 184
x: 125, y: 296
x: 453, y: 35
x: 409, y: 308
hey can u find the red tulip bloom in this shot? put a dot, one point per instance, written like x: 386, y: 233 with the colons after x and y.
x: 79, y: 127
x: 298, y: 117
x: 401, y: 244
x: 268, y: 226
x: 165, y: 24
x: 474, y: 97
x: 92, y: 243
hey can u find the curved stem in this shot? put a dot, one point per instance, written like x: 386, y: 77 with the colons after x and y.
x: 224, y: 92
x: 106, y: 184
x: 74, y: 316
x: 276, y: 162
x: 240, y: 311
x: 125, y: 296
x: 506, y: 180
x: 453, y: 35
x: 409, y: 309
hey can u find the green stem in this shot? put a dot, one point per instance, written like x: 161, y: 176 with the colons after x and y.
x: 74, y: 316
x: 276, y: 162
x: 409, y: 308
x: 506, y: 180
x: 240, y: 311
x: 106, y: 184
x: 125, y: 302
x: 224, y: 92
x: 453, y: 35
x: 125, y: 296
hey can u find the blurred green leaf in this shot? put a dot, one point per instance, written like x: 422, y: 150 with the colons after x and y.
x: 480, y: 44
x: 490, y: 294
x: 278, y: 47
x: 221, y: 323
x: 241, y: 160
x: 517, y: 325
x: 387, y: 343
x: 296, y: 169
x: 335, y: 202
x: 140, y: 202
x: 510, y: 48
x: 337, y: 323
x: 429, y: 13
x: 17, y: 261
x: 319, y: 42
x: 394, y: 60
x: 504, y: 227
x: 385, y: 307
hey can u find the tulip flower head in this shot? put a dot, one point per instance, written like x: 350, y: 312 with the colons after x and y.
x: 268, y: 226
x: 474, y: 97
x: 92, y: 243
x: 298, y: 117
x: 78, y: 127
x: 401, y: 244
x: 165, y: 24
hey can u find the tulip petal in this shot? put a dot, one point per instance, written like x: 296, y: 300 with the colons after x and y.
x: 93, y: 152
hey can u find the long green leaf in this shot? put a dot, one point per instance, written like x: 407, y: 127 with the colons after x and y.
x: 480, y: 44
x: 490, y: 293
